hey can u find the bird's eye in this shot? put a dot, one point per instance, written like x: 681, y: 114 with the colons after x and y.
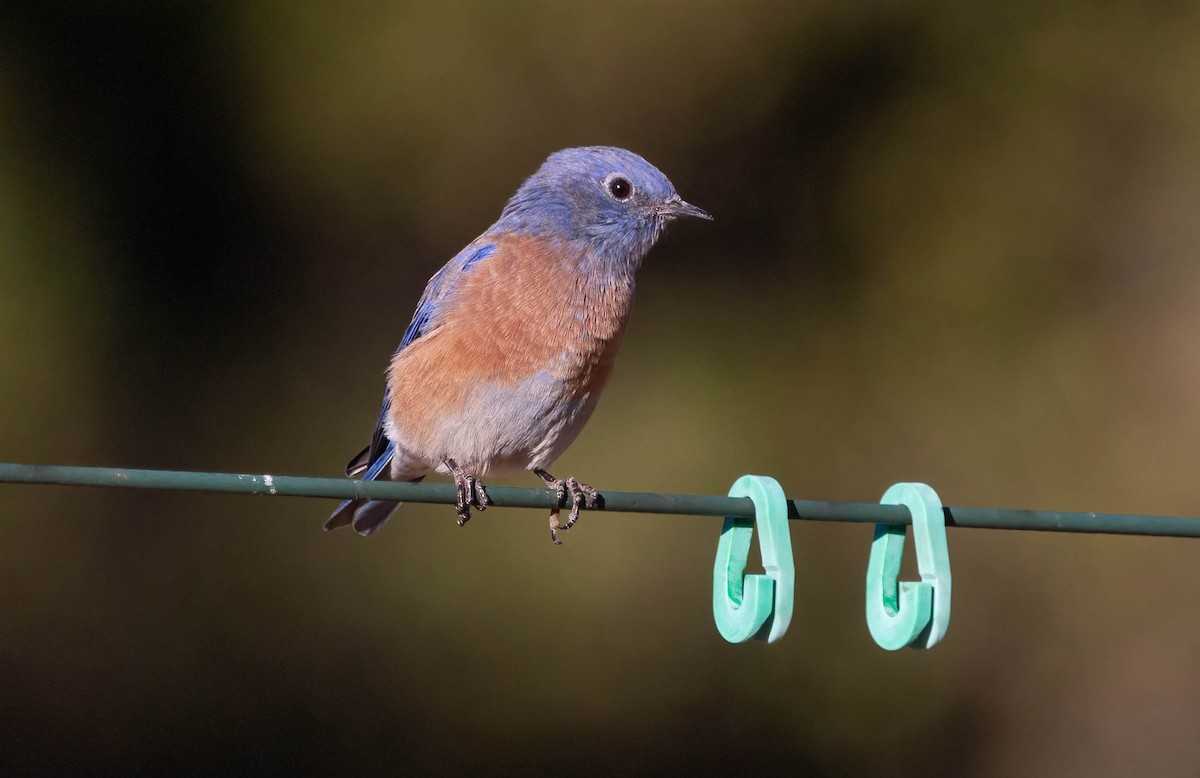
x: 620, y: 188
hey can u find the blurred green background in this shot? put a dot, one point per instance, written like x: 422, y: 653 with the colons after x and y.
x: 954, y: 243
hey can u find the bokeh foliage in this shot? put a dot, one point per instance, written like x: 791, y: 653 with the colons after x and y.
x: 954, y: 243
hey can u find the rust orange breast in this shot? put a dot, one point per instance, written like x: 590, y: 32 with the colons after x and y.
x: 525, y: 311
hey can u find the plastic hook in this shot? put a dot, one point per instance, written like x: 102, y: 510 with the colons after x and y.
x: 755, y: 606
x: 910, y: 613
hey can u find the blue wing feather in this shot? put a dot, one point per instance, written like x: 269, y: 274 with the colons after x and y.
x: 424, y: 320
x: 372, y: 462
x: 440, y: 287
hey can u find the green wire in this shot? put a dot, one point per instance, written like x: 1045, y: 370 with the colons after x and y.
x: 631, y: 502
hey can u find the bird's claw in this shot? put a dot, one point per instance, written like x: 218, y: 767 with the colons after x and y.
x: 582, y: 496
x: 470, y: 493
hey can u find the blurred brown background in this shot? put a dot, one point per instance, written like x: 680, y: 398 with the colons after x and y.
x: 954, y: 243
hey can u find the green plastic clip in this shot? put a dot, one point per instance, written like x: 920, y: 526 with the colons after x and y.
x: 755, y: 606
x: 910, y: 613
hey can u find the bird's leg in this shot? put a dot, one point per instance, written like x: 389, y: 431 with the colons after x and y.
x: 582, y: 495
x: 470, y: 493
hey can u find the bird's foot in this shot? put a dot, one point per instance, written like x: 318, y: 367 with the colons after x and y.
x: 470, y: 493
x: 582, y: 495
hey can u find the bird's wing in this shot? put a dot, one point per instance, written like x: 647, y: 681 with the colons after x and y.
x: 425, y: 320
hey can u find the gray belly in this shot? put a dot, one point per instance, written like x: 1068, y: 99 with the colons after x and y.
x: 506, y: 429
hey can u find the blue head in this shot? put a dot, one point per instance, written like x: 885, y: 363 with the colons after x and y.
x: 608, y: 200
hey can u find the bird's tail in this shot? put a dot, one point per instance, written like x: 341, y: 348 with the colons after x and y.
x: 366, y: 516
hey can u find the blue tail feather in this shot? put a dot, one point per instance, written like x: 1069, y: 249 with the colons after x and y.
x: 367, y: 515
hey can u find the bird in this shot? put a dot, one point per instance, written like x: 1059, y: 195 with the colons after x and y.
x: 514, y: 338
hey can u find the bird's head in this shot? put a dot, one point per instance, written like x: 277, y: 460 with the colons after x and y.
x: 607, y: 199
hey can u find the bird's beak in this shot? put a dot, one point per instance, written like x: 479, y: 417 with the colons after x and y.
x: 674, y: 207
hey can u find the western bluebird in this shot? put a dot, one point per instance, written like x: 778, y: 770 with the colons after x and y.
x: 515, y: 337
